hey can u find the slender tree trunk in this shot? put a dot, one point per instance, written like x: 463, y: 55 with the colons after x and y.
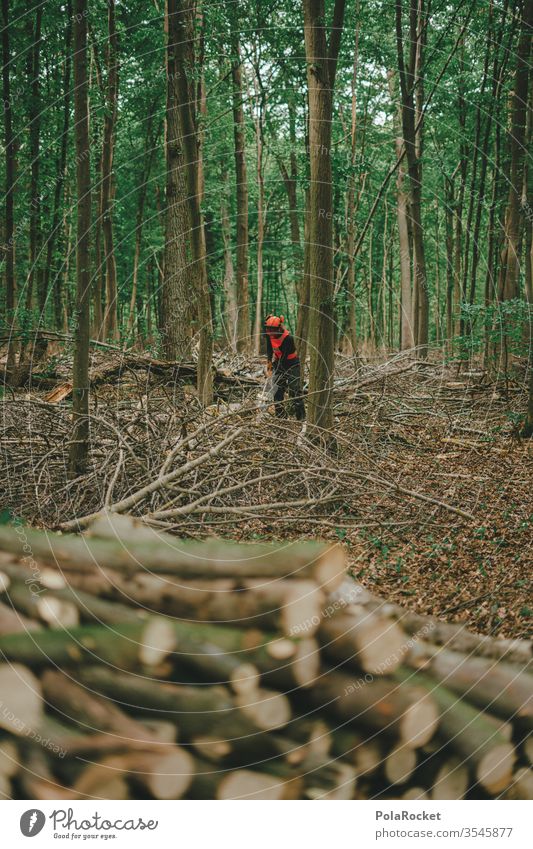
x: 108, y: 151
x: 350, y: 197
x: 302, y: 325
x: 9, y: 143
x: 79, y: 447
x: 449, y: 202
x: 459, y: 257
x: 407, y: 84
x: 259, y: 129
x: 60, y: 179
x: 230, y: 311
x: 321, y: 68
x: 176, y: 307
x: 402, y: 202
x: 519, y: 100
x: 243, y: 314
x: 149, y: 151
x: 182, y: 27
x: 34, y: 127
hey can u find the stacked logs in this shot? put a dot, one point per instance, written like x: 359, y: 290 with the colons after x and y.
x: 135, y: 664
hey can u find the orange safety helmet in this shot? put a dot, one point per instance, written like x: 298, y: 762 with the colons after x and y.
x: 273, y: 323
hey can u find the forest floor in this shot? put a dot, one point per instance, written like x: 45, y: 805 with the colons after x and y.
x: 429, y: 490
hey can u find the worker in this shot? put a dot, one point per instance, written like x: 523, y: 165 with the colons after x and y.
x: 284, y: 366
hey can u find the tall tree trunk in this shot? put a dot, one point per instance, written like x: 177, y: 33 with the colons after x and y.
x: 176, y: 312
x: 302, y: 324
x: 402, y: 202
x: 407, y: 86
x: 243, y: 314
x: 449, y: 202
x: 35, y: 280
x: 60, y: 179
x: 79, y: 447
x: 519, y: 101
x: 459, y: 257
x: 148, y: 157
x: 230, y: 301
x: 9, y: 143
x: 108, y: 151
x: 182, y: 11
x: 321, y: 68
x: 259, y: 130
x: 350, y: 197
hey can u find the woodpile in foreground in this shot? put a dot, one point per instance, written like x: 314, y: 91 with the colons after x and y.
x: 135, y: 664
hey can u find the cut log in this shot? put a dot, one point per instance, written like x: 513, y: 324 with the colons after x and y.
x: 406, y: 712
x: 489, y: 755
x: 125, y: 646
x: 12, y: 622
x: 290, y: 606
x: 78, y: 705
x: 9, y: 758
x: 497, y: 687
x: 21, y: 703
x: 40, y: 605
x: 247, y: 784
x: 451, y: 781
x: 521, y: 786
x: 365, y: 640
x: 419, y: 793
x: 325, y: 564
x: 400, y: 763
x: 267, y: 709
x: 194, y: 709
x: 455, y: 637
x: 165, y: 776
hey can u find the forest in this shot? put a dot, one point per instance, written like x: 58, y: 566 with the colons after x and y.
x: 267, y: 296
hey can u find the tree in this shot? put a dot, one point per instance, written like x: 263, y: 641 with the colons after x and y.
x: 519, y: 101
x: 407, y: 74
x: 9, y: 142
x: 175, y: 301
x: 241, y: 269
x: 108, y: 151
x: 321, y: 56
x: 79, y: 447
x: 182, y: 28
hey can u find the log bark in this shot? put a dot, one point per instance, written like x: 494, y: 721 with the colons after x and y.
x: 364, y: 640
x: 405, y: 712
x: 497, y: 687
x: 323, y: 563
x: 489, y: 755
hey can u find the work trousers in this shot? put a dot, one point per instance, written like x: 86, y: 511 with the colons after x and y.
x: 288, y: 380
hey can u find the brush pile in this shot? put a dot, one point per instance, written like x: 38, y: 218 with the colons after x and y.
x: 135, y: 664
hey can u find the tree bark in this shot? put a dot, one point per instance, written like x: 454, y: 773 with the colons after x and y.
x: 407, y: 85
x: 176, y: 312
x: 321, y: 68
x: 243, y: 318
x: 35, y: 273
x: 406, y: 307
x: 519, y: 101
x: 108, y: 151
x: 9, y: 142
x: 60, y: 179
x: 79, y: 447
x: 182, y: 27
x: 259, y: 132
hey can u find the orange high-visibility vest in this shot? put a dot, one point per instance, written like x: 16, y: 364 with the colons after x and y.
x: 276, y: 343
